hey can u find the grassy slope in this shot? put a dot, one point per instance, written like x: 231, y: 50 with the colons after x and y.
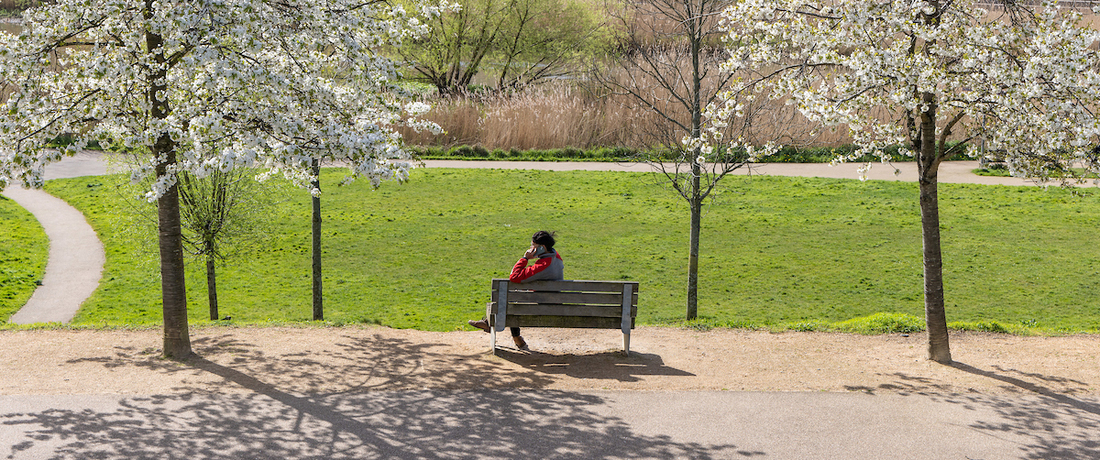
x: 776, y: 251
x: 23, y: 251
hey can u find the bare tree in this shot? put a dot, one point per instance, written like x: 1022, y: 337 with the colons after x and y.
x: 670, y: 65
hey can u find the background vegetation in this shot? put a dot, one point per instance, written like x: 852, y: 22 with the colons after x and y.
x: 23, y: 251
x: 787, y: 154
x: 568, y: 114
x: 800, y: 253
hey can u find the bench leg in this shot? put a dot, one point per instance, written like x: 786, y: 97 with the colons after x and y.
x: 489, y: 317
x: 626, y: 343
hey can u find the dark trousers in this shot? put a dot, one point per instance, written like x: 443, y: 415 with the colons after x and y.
x: 515, y: 330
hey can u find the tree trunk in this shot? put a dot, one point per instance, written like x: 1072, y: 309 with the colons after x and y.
x: 212, y: 287
x: 696, y: 200
x: 318, y: 307
x: 696, y: 206
x: 177, y: 340
x: 939, y: 349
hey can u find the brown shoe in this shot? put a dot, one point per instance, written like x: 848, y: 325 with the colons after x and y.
x: 480, y: 324
x: 519, y: 342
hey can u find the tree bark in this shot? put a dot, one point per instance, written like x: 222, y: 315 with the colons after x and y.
x: 939, y: 349
x: 177, y: 340
x: 212, y: 287
x: 696, y: 205
x: 318, y: 307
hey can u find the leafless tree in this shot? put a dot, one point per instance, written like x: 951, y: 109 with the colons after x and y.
x: 669, y: 63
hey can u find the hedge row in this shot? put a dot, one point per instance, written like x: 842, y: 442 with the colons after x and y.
x: 614, y: 154
x: 609, y: 154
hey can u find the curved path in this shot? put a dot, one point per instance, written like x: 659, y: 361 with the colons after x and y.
x: 76, y: 255
x: 951, y: 172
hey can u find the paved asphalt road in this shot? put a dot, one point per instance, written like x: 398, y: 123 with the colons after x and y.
x: 268, y: 423
x: 511, y: 424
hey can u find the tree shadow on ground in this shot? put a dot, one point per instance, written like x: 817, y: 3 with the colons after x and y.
x: 1046, y: 423
x: 373, y: 363
x: 365, y: 398
x: 391, y: 424
x: 351, y: 364
x: 611, y: 365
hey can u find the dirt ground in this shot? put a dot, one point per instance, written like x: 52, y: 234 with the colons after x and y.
x: 342, y: 360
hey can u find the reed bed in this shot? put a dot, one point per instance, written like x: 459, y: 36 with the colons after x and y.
x: 557, y: 115
x: 568, y: 115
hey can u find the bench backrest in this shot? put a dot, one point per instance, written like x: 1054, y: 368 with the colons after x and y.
x: 568, y: 303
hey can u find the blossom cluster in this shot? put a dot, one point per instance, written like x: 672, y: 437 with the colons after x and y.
x: 230, y: 83
x: 1023, y: 81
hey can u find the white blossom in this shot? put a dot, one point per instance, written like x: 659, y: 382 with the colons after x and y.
x: 1026, y: 85
x: 243, y: 83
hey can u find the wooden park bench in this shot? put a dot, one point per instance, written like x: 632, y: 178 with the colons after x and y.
x: 568, y: 303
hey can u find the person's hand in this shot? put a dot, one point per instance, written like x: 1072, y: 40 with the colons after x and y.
x: 532, y: 252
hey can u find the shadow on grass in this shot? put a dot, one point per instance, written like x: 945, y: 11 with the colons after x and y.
x: 288, y: 406
x: 1045, y: 422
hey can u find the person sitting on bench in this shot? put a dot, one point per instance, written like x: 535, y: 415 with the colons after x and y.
x: 548, y: 266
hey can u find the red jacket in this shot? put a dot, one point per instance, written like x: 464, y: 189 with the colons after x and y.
x: 549, y: 266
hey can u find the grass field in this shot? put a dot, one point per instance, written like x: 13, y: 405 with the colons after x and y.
x: 23, y: 251
x: 800, y: 253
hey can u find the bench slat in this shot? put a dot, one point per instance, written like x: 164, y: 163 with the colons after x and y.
x: 565, y: 321
x: 522, y: 309
x: 569, y: 285
x: 581, y: 298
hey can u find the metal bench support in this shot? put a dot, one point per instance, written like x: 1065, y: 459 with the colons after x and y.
x: 627, y: 296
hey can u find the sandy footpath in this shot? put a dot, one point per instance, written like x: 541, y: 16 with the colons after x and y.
x: 352, y: 360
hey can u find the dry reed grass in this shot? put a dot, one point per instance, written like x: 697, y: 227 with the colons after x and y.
x: 552, y: 116
x: 565, y: 115
x: 579, y: 114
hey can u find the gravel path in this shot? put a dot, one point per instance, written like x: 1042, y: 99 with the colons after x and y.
x: 356, y: 359
x: 951, y: 172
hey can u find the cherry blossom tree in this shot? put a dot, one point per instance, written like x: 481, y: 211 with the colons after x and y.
x: 1022, y: 79
x: 207, y: 85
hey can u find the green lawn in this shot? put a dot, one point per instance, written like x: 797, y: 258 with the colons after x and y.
x: 777, y: 252
x: 23, y: 251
